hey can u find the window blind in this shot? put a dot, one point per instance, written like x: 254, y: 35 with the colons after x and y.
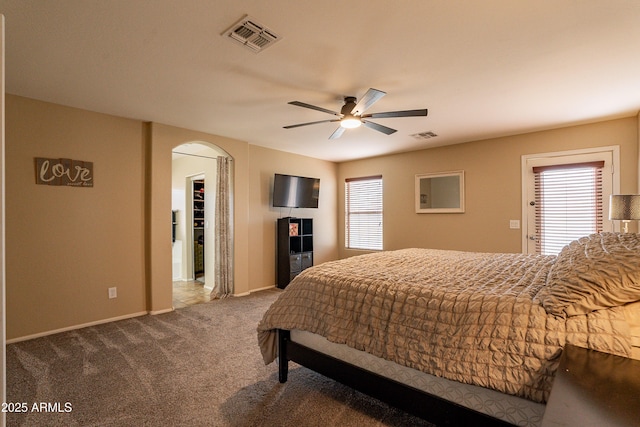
x: 568, y: 204
x: 363, y: 213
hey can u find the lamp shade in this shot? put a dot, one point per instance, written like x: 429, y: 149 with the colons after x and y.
x: 624, y: 207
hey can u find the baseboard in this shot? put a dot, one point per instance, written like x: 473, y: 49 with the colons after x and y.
x: 115, y: 319
x: 244, y: 294
x: 166, y: 310
x: 72, y: 328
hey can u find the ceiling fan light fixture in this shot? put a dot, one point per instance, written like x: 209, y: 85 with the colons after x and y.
x: 350, y: 122
x: 351, y: 114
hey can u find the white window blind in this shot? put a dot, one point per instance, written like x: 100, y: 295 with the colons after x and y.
x: 363, y: 213
x: 568, y: 204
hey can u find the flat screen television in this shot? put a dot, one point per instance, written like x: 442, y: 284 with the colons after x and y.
x: 295, y: 191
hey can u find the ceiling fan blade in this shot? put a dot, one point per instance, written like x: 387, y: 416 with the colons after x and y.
x: 337, y: 133
x: 313, y: 107
x: 309, y: 123
x: 379, y: 128
x: 388, y: 114
x: 367, y: 100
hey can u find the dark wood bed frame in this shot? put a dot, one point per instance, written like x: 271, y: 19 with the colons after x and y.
x: 424, y: 405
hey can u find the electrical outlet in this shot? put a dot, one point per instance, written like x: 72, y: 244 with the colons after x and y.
x: 514, y: 224
x: 113, y: 293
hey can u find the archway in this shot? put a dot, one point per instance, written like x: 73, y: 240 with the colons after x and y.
x: 160, y: 141
x: 194, y: 228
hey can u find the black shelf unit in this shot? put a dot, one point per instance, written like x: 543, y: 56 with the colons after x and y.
x: 294, y: 248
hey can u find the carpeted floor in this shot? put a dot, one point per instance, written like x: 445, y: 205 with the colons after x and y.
x: 196, y: 366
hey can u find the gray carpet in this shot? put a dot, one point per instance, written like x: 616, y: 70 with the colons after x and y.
x: 196, y: 366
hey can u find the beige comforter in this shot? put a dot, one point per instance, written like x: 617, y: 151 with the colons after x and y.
x: 469, y: 317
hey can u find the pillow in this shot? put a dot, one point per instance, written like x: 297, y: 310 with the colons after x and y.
x: 594, y: 272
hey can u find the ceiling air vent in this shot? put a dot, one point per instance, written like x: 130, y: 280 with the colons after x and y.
x: 424, y: 135
x: 251, y: 34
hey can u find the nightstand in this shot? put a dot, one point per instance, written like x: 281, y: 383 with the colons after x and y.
x: 592, y: 388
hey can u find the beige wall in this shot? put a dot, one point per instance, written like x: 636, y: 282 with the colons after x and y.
x: 493, y: 185
x: 66, y: 246
x: 264, y: 163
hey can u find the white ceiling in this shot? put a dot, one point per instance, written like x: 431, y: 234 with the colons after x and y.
x: 483, y: 68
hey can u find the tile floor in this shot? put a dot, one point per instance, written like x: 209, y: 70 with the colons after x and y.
x: 188, y: 293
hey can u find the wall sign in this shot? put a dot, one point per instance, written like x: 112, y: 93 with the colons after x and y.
x: 66, y: 172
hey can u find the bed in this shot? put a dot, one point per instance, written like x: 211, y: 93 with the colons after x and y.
x: 458, y: 337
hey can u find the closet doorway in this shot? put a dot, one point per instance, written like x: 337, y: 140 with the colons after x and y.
x: 193, y: 206
x: 197, y: 231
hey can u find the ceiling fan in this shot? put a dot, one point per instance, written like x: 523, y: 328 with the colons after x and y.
x: 351, y: 115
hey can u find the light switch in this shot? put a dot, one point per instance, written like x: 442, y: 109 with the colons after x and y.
x: 514, y: 223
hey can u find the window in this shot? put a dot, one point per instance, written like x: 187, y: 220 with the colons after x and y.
x: 363, y: 213
x: 568, y: 204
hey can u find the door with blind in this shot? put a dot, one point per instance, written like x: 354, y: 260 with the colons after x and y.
x: 567, y: 197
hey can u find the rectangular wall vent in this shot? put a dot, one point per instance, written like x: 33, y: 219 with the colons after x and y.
x: 251, y: 34
x: 424, y: 135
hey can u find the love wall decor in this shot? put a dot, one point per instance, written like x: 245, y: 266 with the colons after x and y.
x: 64, y: 172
